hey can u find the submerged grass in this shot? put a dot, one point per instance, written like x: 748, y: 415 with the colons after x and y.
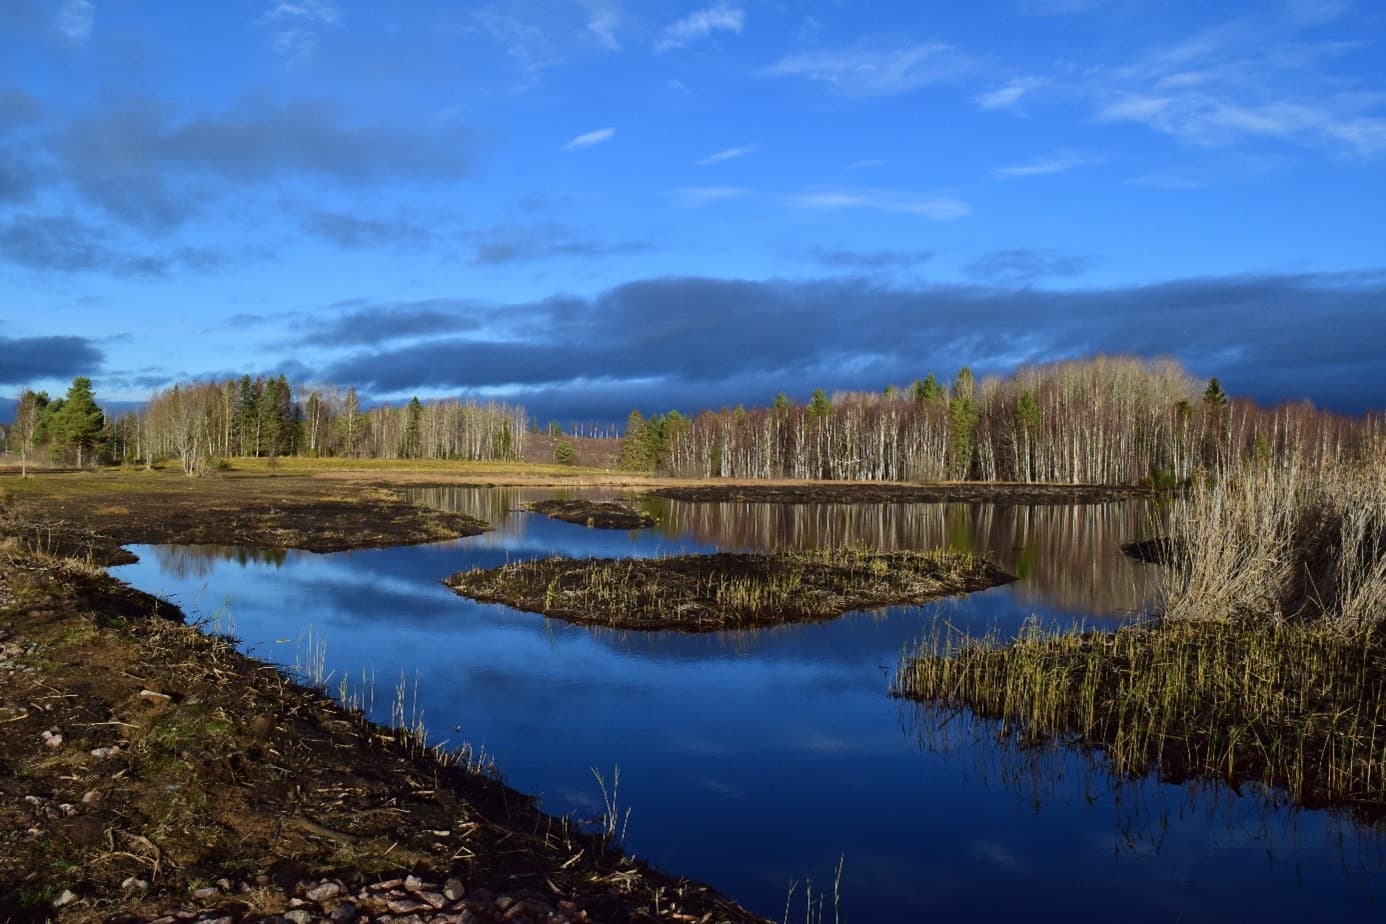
x: 1266, y: 663
x: 711, y: 592
x: 1295, y: 705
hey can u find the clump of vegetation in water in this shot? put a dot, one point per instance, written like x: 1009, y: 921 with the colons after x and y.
x: 601, y: 514
x: 1267, y: 663
x: 709, y: 592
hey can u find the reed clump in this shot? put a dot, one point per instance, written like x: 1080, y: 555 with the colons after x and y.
x: 1266, y: 661
x: 711, y: 592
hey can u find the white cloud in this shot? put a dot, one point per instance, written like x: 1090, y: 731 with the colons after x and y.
x: 588, y: 139
x: 866, y: 164
x: 868, y: 71
x: 317, y: 11
x: 727, y: 154
x: 700, y: 25
x: 295, y: 25
x: 1009, y: 95
x: 695, y: 196
x: 679, y: 86
x: 602, y: 22
x: 934, y: 208
x: 1247, y: 80
x: 75, y: 20
x: 1059, y: 163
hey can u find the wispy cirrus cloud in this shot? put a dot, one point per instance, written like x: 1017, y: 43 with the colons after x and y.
x: 295, y: 27
x: 934, y: 208
x: 696, y: 196
x: 1045, y: 166
x: 75, y: 20
x: 875, y: 69
x: 589, y: 139
x: 1009, y: 95
x: 700, y: 25
x: 727, y: 154
x: 1245, y: 81
x: 603, y: 19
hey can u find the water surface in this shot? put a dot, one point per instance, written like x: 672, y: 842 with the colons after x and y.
x: 755, y: 759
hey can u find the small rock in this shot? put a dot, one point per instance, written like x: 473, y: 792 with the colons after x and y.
x: 454, y: 890
x: 224, y: 885
x: 404, y: 905
x: 503, y: 903
x: 323, y: 892
x: 219, y: 919
x: 204, y: 893
x: 298, y: 916
x: 386, y: 885
x: 343, y: 913
x: 133, y: 883
x: 52, y: 740
x: 413, y: 883
x: 92, y: 797
x: 435, y: 900
x: 103, y: 753
x: 66, y: 897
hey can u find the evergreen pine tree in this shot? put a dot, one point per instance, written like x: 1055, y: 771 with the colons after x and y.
x: 78, y: 423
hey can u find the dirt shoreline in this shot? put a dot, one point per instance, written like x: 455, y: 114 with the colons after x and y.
x: 147, y: 769
x: 873, y: 493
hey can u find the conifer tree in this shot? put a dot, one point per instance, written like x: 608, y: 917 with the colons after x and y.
x: 78, y: 423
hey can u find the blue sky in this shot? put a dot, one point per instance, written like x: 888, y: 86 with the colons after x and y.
x: 593, y: 206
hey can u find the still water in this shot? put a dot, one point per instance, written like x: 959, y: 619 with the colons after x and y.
x: 758, y: 759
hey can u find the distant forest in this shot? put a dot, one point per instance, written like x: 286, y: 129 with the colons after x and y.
x: 1101, y: 420
x: 201, y: 423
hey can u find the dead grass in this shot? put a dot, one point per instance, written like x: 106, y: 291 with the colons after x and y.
x: 1267, y: 663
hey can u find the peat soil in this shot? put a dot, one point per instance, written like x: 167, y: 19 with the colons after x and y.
x: 598, y: 514
x: 91, y: 515
x: 709, y: 593
x: 150, y: 772
x: 859, y: 493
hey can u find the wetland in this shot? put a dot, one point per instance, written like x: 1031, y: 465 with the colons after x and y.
x: 754, y: 759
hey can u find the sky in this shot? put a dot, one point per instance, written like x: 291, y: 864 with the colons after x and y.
x: 596, y: 205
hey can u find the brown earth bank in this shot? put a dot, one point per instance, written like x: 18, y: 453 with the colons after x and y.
x: 91, y: 515
x: 149, y: 770
x: 598, y: 514
x: 706, y: 593
x: 821, y: 492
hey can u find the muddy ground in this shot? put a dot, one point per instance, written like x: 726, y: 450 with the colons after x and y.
x: 148, y: 769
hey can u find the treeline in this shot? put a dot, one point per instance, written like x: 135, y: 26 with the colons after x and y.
x: 201, y: 423
x: 1109, y: 420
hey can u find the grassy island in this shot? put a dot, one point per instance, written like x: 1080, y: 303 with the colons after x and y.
x: 598, y: 514
x: 702, y: 593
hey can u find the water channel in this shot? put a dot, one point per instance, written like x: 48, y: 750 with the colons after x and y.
x: 755, y: 760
